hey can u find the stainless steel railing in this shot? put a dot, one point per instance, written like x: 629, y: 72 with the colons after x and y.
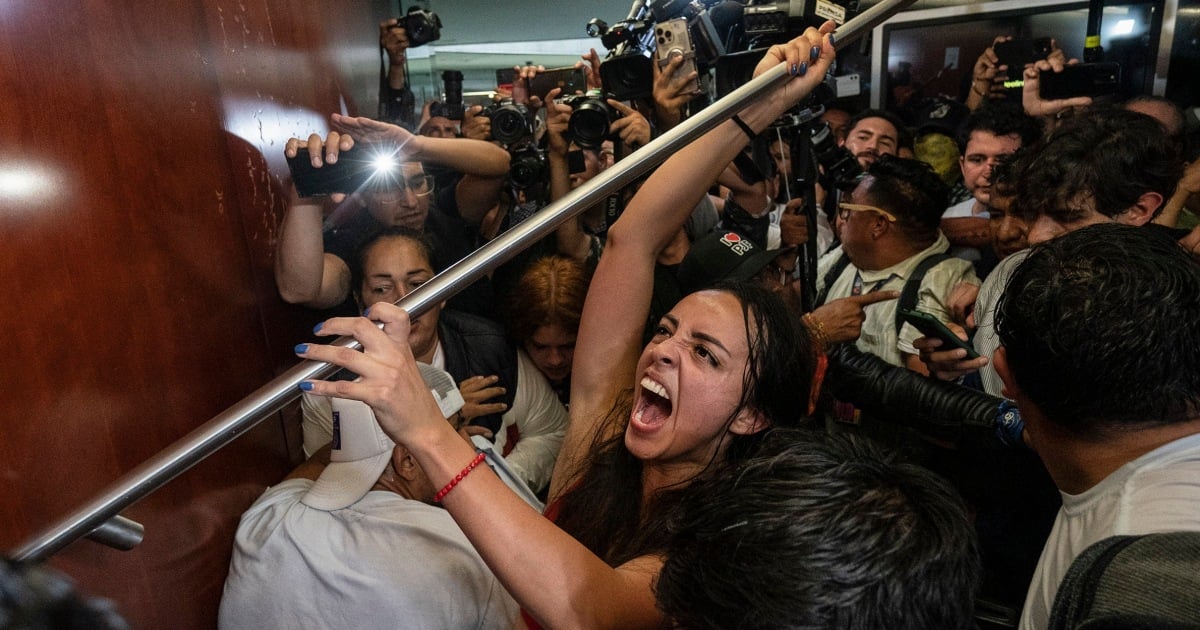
x: 100, y: 518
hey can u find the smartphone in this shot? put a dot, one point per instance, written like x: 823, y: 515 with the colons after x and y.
x: 672, y: 39
x: 353, y: 170
x: 1081, y: 79
x: 931, y: 326
x: 505, y: 76
x: 570, y: 79
x: 1015, y: 53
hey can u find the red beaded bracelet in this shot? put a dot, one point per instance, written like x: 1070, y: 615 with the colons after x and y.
x: 437, y: 498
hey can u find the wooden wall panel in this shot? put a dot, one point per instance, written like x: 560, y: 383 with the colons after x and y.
x: 140, y: 190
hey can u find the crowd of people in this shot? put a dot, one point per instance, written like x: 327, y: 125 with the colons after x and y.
x: 705, y: 403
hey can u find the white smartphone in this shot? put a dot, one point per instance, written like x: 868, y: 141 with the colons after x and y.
x: 673, y: 40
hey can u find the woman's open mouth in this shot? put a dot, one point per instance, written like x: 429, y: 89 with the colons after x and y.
x: 654, y: 405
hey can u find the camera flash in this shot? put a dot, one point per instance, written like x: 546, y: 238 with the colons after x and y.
x: 385, y: 163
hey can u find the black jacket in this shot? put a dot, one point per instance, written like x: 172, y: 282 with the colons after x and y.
x: 474, y: 346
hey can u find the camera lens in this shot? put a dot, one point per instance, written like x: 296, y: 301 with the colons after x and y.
x: 510, y: 124
x: 527, y: 169
x: 453, y: 80
x: 596, y: 27
x: 589, y: 124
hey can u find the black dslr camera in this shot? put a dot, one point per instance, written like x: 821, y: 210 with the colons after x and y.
x: 842, y: 170
x: 528, y: 166
x: 453, y: 107
x: 511, y: 122
x: 591, y: 121
x: 421, y: 26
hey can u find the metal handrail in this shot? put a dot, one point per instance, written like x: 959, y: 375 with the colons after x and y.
x: 273, y: 396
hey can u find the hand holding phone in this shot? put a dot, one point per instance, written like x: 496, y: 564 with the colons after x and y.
x: 1015, y: 53
x: 569, y: 79
x: 673, y: 40
x: 930, y: 326
x: 1081, y: 79
x: 349, y: 173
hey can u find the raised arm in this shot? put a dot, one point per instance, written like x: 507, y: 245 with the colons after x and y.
x: 483, y: 165
x: 570, y: 237
x: 987, y: 76
x: 304, y: 273
x: 618, y: 300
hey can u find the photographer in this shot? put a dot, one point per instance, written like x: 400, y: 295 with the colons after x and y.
x: 578, y: 238
x: 396, y: 102
x: 435, y: 123
x: 311, y: 266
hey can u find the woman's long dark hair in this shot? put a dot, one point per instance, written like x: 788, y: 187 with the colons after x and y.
x: 603, y: 509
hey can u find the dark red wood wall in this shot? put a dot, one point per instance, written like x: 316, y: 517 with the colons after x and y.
x: 140, y: 192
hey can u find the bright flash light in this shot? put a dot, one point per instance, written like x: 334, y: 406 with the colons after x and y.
x: 385, y: 163
x: 1123, y: 27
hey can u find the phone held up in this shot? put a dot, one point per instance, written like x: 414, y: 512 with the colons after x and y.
x: 354, y: 170
x: 931, y: 326
x: 672, y: 39
x: 570, y: 79
x: 1081, y: 79
x: 1015, y: 54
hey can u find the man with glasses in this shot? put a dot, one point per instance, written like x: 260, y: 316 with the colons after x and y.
x: 887, y: 226
x: 316, y: 242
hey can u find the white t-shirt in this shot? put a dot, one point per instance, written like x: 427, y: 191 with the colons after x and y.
x: 1157, y: 492
x: 384, y: 562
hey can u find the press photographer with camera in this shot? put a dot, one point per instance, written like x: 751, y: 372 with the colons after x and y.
x: 417, y: 28
x: 578, y: 238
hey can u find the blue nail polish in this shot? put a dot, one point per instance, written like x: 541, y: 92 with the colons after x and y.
x: 815, y: 53
x: 794, y: 69
x: 300, y: 348
x: 367, y: 312
x: 803, y: 68
x: 317, y: 328
x: 305, y: 386
x: 832, y: 41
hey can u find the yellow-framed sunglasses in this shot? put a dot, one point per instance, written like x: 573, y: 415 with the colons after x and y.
x: 844, y: 210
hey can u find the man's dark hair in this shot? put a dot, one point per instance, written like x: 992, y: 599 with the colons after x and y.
x: 1101, y: 328
x: 1173, y: 127
x: 1001, y: 119
x: 897, y: 122
x: 819, y: 532
x: 912, y: 191
x: 1110, y: 157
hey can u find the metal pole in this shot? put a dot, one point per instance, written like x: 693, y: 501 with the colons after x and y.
x: 245, y: 414
x: 119, y: 532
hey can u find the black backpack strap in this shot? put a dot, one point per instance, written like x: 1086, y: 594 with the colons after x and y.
x: 912, y: 286
x: 831, y: 276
